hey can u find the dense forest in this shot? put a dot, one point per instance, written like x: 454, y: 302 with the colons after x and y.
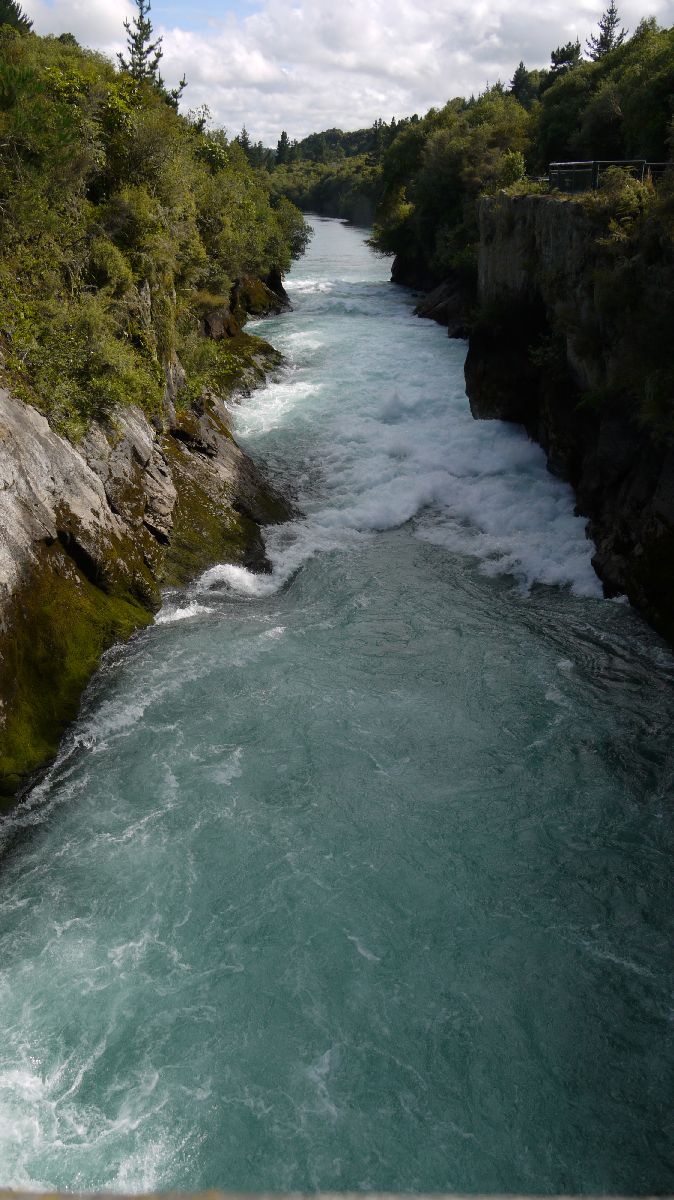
x: 122, y: 223
x: 335, y: 173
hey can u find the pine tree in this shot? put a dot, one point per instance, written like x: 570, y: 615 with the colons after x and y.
x: 526, y: 85
x: 519, y: 81
x: 12, y: 14
x: 609, y: 38
x: 144, y: 54
x: 244, y: 141
x: 565, y: 58
x: 283, y: 148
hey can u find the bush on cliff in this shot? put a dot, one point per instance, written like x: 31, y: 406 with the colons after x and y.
x: 634, y: 294
x: 115, y: 214
x: 434, y: 170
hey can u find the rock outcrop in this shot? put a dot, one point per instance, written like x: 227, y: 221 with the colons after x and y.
x: 553, y: 349
x: 89, y: 533
x: 450, y: 304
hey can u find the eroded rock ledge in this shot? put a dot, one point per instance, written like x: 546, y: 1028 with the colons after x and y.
x: 88, y: 536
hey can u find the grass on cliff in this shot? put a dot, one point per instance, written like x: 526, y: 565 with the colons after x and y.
x: 59, y: 627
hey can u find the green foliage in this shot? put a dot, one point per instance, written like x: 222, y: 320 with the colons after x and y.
x: 145, y: 55
x: 294, y: 230
x: 513, y: 168
x: 331, y: 145
x: 634, y: 295
x: 435, y: 169
x: 526, y: 85
x: 72, y: 355
x: 13, y: 15
x: 616, y: 107
x: 565, y: 58
x: 115, y: 213
x: 349, y: 187
x: 621, y: 200
x: 283, y: 149
x: 337, y: 174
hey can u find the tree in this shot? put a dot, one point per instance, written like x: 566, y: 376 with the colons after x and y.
x: 144, y: 54
x: 12, y: 14
x: 565, y: 58
x: 283, y: 148
x: 525, y: 85
x: 609, y: 38
x: 519, y: 80
x: 244, y: 141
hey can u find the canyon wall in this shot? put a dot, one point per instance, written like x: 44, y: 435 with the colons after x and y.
x: 569, y: 339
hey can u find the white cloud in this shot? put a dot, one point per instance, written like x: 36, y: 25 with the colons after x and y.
x: 305, y: 65
x: 95, y: 23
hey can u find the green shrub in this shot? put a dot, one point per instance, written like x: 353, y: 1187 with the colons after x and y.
x: 116, y: 214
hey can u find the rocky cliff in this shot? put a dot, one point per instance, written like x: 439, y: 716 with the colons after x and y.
x: 90, y: 532
x: 566, y: 342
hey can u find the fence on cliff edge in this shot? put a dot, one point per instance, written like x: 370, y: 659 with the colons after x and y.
x: 586, y: 176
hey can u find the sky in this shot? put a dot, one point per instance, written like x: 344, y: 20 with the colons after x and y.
x: 308, y: 65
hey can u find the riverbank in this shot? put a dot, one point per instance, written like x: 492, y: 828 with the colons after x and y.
x: 91, y: 532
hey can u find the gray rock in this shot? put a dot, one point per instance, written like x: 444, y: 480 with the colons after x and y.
x: 86, y: 540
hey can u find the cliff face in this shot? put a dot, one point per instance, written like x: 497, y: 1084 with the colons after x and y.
x: 90, y: 532
x: 556, y: 346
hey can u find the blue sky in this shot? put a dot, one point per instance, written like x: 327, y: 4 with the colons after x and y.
x: 305, y: 65
x: 199, y: 16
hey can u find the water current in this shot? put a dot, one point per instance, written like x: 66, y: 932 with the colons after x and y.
x: 358, y: 874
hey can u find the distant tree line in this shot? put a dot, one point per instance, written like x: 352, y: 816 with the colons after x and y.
x: 329, y: 146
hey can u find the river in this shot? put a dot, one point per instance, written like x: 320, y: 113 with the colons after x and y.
x: 357, y: 875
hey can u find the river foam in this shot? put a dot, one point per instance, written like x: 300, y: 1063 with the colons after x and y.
x: 390, y: 452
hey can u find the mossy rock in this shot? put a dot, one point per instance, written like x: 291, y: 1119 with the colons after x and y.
x: 243, y: 363
x: 251, y: 297
x: 207, y: 528
x: 59, y: 626
x: 225, y: 368
x: 86, y: 592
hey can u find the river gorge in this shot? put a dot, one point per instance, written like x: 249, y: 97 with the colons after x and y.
x: 356, y: 874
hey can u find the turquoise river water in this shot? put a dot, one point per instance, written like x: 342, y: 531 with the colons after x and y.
x: 357, y: 875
